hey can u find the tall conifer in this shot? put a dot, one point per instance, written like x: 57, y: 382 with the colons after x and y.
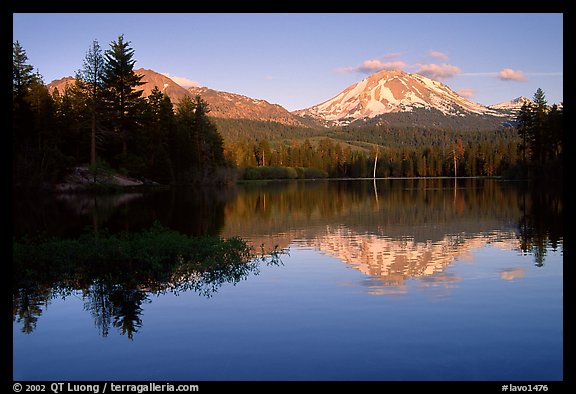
x: 91, y: 81
x: 120, y: 81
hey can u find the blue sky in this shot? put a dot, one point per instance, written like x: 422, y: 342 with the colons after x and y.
x: 298, y: 60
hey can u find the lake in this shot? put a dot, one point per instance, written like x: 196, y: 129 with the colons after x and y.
x: 392, y: 280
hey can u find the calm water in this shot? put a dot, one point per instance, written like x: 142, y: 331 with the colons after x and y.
x: 393, y: 280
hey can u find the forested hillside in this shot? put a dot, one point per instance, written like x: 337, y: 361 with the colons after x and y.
x: 103, y: 121
x: 351, y: 151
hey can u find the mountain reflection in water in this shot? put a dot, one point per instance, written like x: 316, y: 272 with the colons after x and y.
x: 390, y: 262
x: 399, y: 229
x: 389, y: 230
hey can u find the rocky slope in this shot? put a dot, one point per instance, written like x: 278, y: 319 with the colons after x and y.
x: 235, y: 106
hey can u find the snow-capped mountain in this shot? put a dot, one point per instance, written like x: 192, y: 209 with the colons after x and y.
x: 390, y: 92
x: 512, y: 105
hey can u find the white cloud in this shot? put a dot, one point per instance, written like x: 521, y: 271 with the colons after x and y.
x: 438, y: 71
x: 466, y: 92
x: 182, y: 81
x: 438, y: 55
x: 374, y: 65
x: 508, y: 74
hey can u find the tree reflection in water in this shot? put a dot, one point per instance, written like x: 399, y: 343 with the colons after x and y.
x: 116, y: 274
x: 541, y: 224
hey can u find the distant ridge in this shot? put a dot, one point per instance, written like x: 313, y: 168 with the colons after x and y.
x: 222, y: 104
x: 60, y: 84
x: 386, y: 97
x: 235, y: 106
x: 165, y: 84
x: 512, y: 105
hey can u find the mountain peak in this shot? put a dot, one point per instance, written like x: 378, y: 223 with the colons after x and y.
x: 512, y: 105
x: 390, y: 91
x: 386, y: 73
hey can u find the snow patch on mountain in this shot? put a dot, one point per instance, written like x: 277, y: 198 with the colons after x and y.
x: 394, y: 91
x: 515, y: 104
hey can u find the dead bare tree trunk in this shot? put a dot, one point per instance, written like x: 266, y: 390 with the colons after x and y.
x: 455, y: 166
x: 93, y: 137
x: 375, y: 161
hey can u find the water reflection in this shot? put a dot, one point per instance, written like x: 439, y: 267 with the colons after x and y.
x: 512, y: 273
x: 389, y: 262
x: 541, y: 224
x: 394, y: 230
x: 194, y: 212
x: 280, y: 212
x: 119, y: 305
x: 425, y: 210
x: 390, y: 230
x: 114, y: 285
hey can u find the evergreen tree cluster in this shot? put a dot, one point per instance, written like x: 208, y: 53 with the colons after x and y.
x: 398, y: 152
x: 540, y: 130
x: 103, y: 121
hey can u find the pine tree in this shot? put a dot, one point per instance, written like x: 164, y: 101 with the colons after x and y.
x: 160, y: 136
x: 211, y: 144
x: 539, y: 99
x: 22, y: 80
x: 90, y: 80
x: 540, y: 135
x: 22, y: 72
x: 540, y: 128
x: 200, y: 147
x: 120, y: 81
x: 182, y: 145
x: 556, y: 130
x: 35, y: 144
x: 70, y: 115
x: 524, y: 124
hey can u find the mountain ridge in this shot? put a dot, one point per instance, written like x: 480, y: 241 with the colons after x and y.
x: 222, y: 104
x: 236, y: 106
x: 385, y: 97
